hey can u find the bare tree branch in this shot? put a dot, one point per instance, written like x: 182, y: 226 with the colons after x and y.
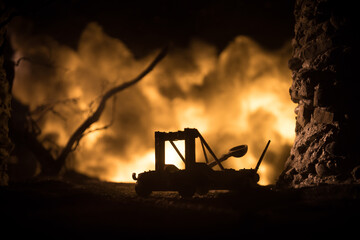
x: 38, y: 62
x: 40, y: 111
x: 79, y: 133
x: 99, y: 128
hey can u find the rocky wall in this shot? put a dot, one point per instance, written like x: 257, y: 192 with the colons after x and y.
x: 5, y: 99
x: 325, y: 81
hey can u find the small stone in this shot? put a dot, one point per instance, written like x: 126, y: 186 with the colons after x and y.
x: 332, y: 148
x: 304, y: 115
x: 322, y: 115
x: 295, y: 64
x: 321, y: 169
x: 356, y: 173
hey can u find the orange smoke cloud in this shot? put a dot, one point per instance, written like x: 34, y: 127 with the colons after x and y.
x: 239, y: 96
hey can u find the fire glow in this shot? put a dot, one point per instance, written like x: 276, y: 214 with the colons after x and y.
x: 239, y: 96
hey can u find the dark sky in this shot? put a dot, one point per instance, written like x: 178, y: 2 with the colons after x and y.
x: 145, y: 25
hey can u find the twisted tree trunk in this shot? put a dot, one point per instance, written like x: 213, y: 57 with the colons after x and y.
x: 80, y: 131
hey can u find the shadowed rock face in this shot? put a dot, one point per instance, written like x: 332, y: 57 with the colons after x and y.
x: 5, y: 97
x: 324, y: 85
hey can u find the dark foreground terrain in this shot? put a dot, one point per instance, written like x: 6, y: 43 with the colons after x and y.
x: 81, y: 207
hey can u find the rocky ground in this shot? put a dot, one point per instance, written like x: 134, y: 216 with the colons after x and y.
x: 83, y: 207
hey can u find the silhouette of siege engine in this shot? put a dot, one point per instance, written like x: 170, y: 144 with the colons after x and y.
x: 197, y: 176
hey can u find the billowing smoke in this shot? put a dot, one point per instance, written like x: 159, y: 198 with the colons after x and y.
x: 239, y: 96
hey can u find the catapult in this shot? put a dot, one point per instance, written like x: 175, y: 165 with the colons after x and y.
x: 197, y: 177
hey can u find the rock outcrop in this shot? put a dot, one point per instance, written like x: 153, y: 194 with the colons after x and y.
x: 5, y: 98
x: 324, y: 71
